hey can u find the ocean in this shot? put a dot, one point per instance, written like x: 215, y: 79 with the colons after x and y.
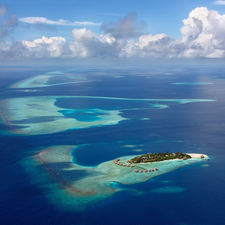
x: 60, y: 127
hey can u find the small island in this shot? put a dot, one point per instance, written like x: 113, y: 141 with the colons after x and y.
x: 77, y: 187
x: 158, y: 157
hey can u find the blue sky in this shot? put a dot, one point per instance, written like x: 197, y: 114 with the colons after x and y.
x: 161, y: 15
x: 92, y: 29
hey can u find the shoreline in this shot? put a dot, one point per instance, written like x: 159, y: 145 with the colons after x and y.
x: 193, y: 156
x: 85, y: 186
x: 196, y: 155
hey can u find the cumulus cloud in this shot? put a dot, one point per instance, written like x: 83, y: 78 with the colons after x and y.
x: 88, y: 44
x: 46, y: 47
x: 53, y: 47
x: 221, y: 2
x: 42, y: 20
x: 202, y: 36
x: 114, y: 39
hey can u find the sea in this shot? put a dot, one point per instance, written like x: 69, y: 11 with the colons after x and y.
x: 109, y: 113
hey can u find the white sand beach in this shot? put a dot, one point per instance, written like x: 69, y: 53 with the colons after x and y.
x: 194, y: 155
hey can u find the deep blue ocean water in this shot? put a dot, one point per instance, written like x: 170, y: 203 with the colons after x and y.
x: 197, y: 196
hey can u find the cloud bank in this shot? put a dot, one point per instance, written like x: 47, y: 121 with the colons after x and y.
x: 202, y: 36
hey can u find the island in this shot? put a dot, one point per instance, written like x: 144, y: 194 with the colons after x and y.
x: 75, y: 187
x: 158, y: 157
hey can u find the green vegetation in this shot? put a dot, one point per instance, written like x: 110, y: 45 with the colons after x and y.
x: 157, y: 157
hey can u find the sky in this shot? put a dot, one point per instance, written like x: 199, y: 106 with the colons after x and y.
x: 76, y: 30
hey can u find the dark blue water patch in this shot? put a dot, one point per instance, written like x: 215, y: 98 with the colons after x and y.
x: 83, y: 115
x: 106, y: 104
x: 14, y: 127
x: 93, y: 103
x: 96, y: 153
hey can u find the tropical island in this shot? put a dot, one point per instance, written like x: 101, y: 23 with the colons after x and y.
x: 82, y: 186
x: 158, y: 157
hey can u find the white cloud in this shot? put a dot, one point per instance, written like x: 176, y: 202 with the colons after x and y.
x: 221, y: 2
x: 42, y: 20
x: 202, y: 36
x: 46, y: 47
x: 88, y: 44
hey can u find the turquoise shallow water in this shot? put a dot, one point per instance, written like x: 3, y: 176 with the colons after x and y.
x: 100, y: 111
x: 83, y: 115
x: 104, y: 118
x: 59, y: 162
